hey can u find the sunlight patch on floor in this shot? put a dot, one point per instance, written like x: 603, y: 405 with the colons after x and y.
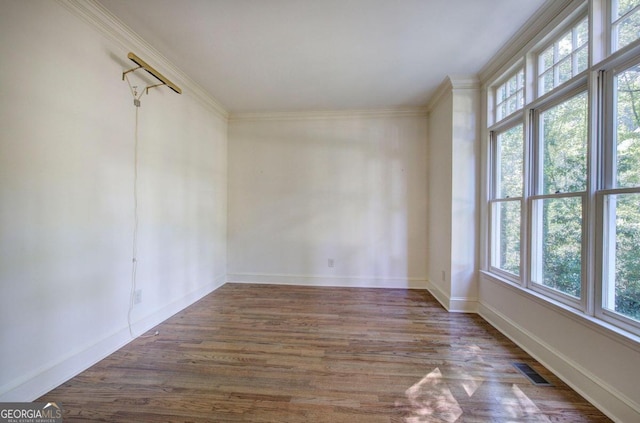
x: 521, y: 406
x: 431, y: 398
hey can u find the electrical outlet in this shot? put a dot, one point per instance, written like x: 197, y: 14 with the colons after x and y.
x: 137, y: 296
x: 444, y: 276
x: 330, y: 262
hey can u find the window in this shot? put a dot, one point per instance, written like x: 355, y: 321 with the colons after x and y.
x: 625, y: 23
x: 621, y: 199
x: 510, y: 95
x: 565, y: 58
x: 562, y: 146
x: 627, y: 127
x: 557, y: 216
x: 563, y: 166
x: 622, y: 267
x: 508, y: 148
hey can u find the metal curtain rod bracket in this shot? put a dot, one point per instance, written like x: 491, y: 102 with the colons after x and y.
x: 143, y: 65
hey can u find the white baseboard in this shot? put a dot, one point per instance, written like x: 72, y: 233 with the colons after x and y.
x: 52, y: 375
x: 607, y: 399
x: 321, y: 280
x: 453, y: 304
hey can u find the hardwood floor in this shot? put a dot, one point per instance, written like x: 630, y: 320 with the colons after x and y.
x: 269, y: 353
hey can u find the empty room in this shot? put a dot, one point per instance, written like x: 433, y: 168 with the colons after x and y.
x: 320, y: 211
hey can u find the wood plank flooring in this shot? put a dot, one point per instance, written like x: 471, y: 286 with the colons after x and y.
x: 273, y: 353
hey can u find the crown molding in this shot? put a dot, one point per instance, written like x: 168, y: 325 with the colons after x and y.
x: 451, y: 84
x: 328, y: 114
x: 99, y: 18
x: 464, y: 82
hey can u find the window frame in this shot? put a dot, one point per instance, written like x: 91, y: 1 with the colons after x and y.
x: 573, y: 88
x: 505, y: 125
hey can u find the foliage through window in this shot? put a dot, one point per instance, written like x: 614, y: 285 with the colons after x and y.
x: 564, y: 146
x: 625, y: 23
x: 506, y: 208
x: 622, y: 267
x: 627, y: 91
x: 621, y: 228
x: 557, y: 246
x: 557, y: 209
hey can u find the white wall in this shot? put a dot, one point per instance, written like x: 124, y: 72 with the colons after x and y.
x: 66, y: 198
x: 453, y: 193
x: 440, y: 194
x: 464, y: 192
x: 305, y: 189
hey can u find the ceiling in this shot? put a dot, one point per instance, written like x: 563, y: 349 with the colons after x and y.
x: 311, y: 55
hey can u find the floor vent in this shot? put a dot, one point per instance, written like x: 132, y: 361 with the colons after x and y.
x: 531, y: 374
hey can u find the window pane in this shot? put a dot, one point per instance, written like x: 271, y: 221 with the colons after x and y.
x: 502, y: 111
x: 564, y: 71
x: 623, y: 6
x: 520, y: 100
x: 521, y: 80
x: 546, y: 59
x: 582, y: 60
x: 582, y: 33
x: 564, y: 46
x: 546, y: 82
x: 506, y: 254
x: 628, y: 30
x: 557, y: 261
x: 502, y: 94
x: 628, y: 127
x: 509, y: 151
x: 564, y: 146
x: 626, y: 23
x: 622, y: 266
x: 513, y: 85
x: 512, y: 104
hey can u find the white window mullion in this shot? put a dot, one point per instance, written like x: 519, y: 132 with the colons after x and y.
x: 524, y: 234
x: 535, y: 237
x: 593, y: 238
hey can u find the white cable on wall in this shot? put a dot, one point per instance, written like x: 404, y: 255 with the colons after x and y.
x: 136, y: 102
x: 134, y: 246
